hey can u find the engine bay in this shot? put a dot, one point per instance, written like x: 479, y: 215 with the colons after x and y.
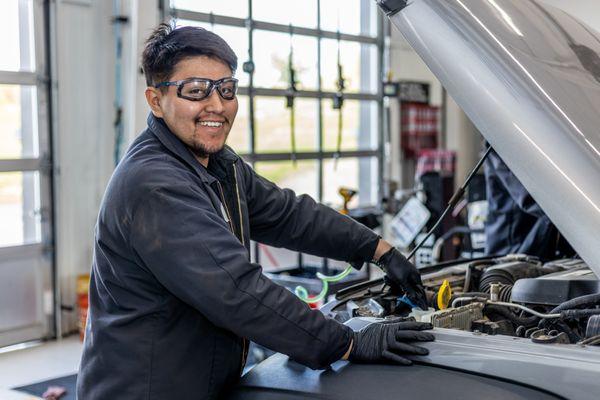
x: 515, y: 295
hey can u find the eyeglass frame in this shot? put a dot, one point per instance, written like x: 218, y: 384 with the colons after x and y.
x: 213, y: 85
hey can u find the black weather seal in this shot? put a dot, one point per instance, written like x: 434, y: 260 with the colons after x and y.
x: 391, y: 7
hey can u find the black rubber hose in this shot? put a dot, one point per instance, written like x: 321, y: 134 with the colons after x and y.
x: 527, y: 322
x: 578, y: 302
x: 575, y: 314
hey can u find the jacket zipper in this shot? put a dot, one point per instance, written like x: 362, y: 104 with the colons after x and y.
x: 245, y: 345
x: 245, y: 348
x: 225, y: 207
x: 237, y: 192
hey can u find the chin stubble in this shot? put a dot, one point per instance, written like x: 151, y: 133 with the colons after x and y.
x: 201, y: 151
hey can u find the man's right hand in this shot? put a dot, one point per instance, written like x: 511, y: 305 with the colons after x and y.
x: 389, y: 341
x: 404, y: 274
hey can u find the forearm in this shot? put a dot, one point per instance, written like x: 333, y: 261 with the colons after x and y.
x: 382, y: 248
x: 301, y: 224
x: 347, y: 354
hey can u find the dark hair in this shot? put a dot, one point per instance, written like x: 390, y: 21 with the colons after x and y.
x: 168, y: 45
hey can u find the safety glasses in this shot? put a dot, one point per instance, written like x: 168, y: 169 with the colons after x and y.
x: 196, y: 89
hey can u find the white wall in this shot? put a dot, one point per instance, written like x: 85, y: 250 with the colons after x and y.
x: 84, y: 136
x: 461, y: 136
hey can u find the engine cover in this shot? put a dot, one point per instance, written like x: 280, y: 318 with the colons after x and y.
x: 554, y: 289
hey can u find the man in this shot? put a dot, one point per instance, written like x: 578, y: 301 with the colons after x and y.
x: 515, y: 222
x: 174, y: 298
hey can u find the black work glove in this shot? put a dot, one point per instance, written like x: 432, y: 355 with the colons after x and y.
x: 389, y: 340
x: 403, y: 273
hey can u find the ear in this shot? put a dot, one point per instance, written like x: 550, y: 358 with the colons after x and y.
x: 153, y: 97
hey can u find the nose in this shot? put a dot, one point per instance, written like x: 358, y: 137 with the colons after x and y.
x: 213, y: 103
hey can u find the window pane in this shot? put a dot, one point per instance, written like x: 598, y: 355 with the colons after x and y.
x: 273, y: 124
x: 16, y: 31
x: 302, y: 177
x: 230, y: 8
x: 271, y: 54
x: 239, y: 136
x: 298, y: 13
x: 355, y: 173
x: 345, y: 15
x: 19, y: 208
x: 359, y: 66
x: 359, y: 129
x: 275, y: 258
x: 237, y: 38
x: 18, y: 122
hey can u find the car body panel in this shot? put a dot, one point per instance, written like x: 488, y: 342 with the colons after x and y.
x: 533, y: 371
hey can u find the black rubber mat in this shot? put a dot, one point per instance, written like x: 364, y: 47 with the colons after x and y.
x: 38, y: 389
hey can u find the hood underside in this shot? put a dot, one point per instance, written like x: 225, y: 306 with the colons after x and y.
x: 528, y: 76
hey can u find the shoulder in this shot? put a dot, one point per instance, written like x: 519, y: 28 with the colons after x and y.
x: 146, y: 168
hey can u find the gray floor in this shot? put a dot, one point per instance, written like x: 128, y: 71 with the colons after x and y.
x: 46, y: 361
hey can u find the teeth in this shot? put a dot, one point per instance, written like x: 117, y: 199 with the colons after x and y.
x: 213, y: 124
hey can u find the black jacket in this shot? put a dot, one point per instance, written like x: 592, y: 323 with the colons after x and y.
x: 172, y: 289
x: 515, y: 222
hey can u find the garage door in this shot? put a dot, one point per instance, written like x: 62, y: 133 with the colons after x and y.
x: 26, y: 292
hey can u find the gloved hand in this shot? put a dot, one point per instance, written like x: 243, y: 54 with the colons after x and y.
x: 388, y: 341
x: 403, y: 273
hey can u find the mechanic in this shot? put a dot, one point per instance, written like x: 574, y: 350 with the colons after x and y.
x: 173, y: 296
x: 515, y: 223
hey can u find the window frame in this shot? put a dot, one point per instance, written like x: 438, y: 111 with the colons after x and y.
x: 250, y: 24
x: 40, y: 254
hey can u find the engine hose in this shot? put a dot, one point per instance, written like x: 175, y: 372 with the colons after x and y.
x: 577, y: 302
x: 497, y: 276
x: 302, y: 293
x: 527, y: 322
x: 563, y: 327
x: 575, y: 314
x: 591, y: 341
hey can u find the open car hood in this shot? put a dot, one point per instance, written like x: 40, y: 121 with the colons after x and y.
x: 528, y: 76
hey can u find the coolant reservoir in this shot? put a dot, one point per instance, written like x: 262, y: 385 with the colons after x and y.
x: 422, y: 315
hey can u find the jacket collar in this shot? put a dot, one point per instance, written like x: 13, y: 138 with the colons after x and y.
x: 158, y: 127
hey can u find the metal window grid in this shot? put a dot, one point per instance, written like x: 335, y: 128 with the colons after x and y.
x: 252, y: 92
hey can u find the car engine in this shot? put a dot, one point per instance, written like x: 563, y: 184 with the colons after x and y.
x: 515, y: 295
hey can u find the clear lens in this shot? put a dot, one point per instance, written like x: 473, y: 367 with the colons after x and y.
x: 199, y: 89
x: 228, y: 89
x: 196, y: 89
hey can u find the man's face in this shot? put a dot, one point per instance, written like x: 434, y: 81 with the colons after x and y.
x: 189, y: 120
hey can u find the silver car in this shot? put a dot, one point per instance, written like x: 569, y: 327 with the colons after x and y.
x: 528, y: 76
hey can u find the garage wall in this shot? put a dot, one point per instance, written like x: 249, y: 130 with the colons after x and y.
x: 461, y: 135
x: 84, y: 136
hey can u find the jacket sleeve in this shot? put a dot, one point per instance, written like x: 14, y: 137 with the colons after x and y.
x: 280, y: 218
x: 514, y: 187
x: 187, y: 246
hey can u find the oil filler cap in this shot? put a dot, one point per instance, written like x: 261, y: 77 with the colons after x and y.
x: 444, y: 295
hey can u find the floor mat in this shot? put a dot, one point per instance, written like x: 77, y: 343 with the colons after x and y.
x: 38, y: 389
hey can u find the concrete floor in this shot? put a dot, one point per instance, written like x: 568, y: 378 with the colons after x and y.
x: 45, y: 361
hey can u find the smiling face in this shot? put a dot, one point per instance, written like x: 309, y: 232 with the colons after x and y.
x: 202, y: 125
